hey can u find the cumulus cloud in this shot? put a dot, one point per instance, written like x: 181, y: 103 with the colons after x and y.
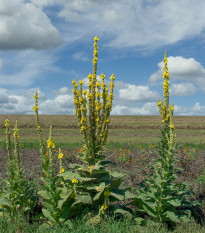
x: 138, y: 93
x: 146, y: 109
x: 127, y: 23
x: 23, y: 25
x: 23, y: 102
x: 62, y: 91
x: 183, y: 89
x: 183, y: 69
x: 196, y: 110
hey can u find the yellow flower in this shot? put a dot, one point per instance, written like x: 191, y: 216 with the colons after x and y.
x: 61, y: 170
x: 96, y: 39
x: 50, y: 143
x: 36, y: 95
x: 98, y: 188
x: 112, y: 77
x: 84, y: 92
x: 172, y: 126
x: 75, y: 181
x: 35, y: 108
x: 103, y: 208
x: 60, y: 156
x: 98, y: 84
x: 83, y: 128
x: 80, y: 82
x: 90, y: 76
x: 7, y: 123
x: 73, y: 82
x: 90, y: 96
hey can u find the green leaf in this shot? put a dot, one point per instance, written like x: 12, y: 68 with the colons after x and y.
x: 106, y: 162
x: 65, y: 199
x: 48, y: 215
x: 117, y: 174
x: 84, y: 199
x: 118, y: 194
x: 129, y: 195
x: 125, y: 213
x: 175, y: 202
x: 5, y: 202
x: 65, y: 213
x: 173, y: 217
x: 140, y: 221
x: 44, y: 194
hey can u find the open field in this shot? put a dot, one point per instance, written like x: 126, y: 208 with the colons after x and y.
x: 134, y: 129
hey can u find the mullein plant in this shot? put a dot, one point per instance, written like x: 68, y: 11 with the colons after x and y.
x: 93, y: 107
x: 96, y: 187
x: 18, y: 192
x: 160, y: 197
x: 57, y: 199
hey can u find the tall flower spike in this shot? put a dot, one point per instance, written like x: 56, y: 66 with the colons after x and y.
x: 98, y: 101
x: 35, y: 108
x: 8, y: 142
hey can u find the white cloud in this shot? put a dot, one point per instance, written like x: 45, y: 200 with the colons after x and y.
x: 183, y: 89
x: 80, y: 56
x: 196, y: 110
x: 24, y: 68
x: 23, y: 102
x: 134, y: 23
x: 62, y: 91
x: 24, y: 25
x: 138, y: 93
x: 183, y: 69
x: 146, y: 109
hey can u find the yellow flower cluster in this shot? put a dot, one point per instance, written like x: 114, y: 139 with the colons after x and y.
x: 35, y: 108
x: 60, y: 156
x: 103, y: 208
x: 61, y: 170
x: 74, y: 181
x: 97, y: 101
x: 166, y: 110
x: 50, y: 143
x: 7, y: 123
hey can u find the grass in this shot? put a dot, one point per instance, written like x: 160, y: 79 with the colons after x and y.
x: 19, y: 224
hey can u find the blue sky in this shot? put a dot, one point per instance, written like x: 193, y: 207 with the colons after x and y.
x: 44, y: 44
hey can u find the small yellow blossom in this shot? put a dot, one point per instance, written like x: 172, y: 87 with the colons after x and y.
x: 172, y: 126
x: 50, y: 143
x: 84, y: 92
x: 98, y: 188
x: 80, y: 82
x: 36, y: 96
x: 60, y: 156
x: 103, y: 208
x: 61, y: 170
x: 35, y: 108
x: 96, y: 39
x: 7, y: 123
x: 112, y: 77
x: 75, y: 181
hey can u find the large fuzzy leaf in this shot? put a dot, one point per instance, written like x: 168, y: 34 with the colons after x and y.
x: 48, y: 215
